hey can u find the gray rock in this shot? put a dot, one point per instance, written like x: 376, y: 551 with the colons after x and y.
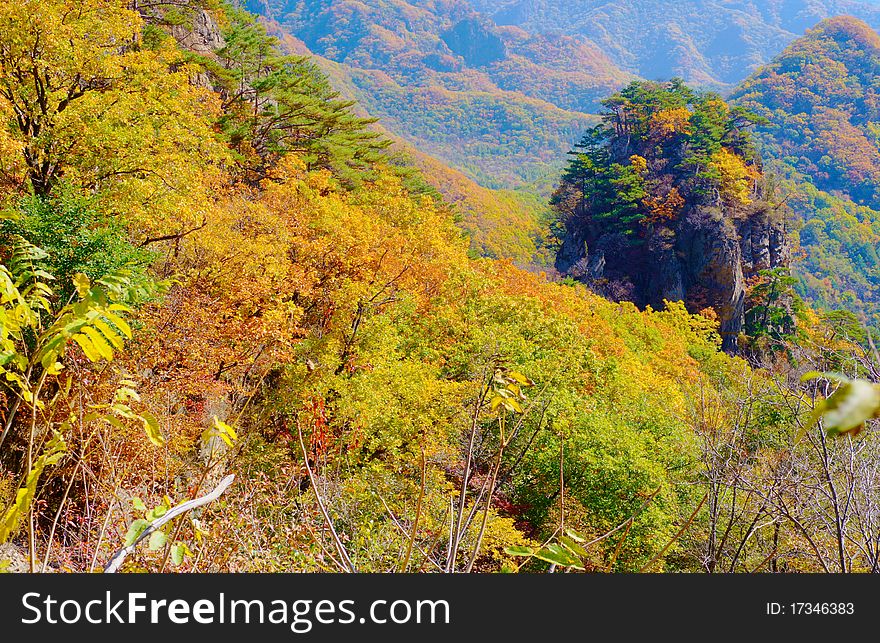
x: 202, y: 35
x: 705, y: 259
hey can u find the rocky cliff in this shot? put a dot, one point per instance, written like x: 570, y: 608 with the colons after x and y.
x: 474, y: 41
x: 667, y: 202
x: 705, y: 260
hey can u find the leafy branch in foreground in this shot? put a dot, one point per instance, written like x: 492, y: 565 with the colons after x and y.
x: 568, y: 549
x: 848, y: 408
x: 35, y: 335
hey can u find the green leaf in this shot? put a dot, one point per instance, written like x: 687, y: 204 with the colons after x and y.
x: 135, y: 530
x: 178, y: 551
x: 556, y: 554
x: 157, y: 540
x: 519, y: 550
x: 575, y: 536
x: 123, y: 410
x: 114, y: 421
x: 53, y: 348
x: 573, y: 547
x: 848, y: 408
x: 138, y: 504
x: 156, y: 512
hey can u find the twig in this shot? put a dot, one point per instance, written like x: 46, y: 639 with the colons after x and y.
x: 415, y: 526
x: 119, y: 557
x: 678, y: 535
x: 340, y: 548
x: 176, y: 236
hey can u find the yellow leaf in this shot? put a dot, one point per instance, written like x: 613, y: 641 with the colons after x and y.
x: 101, y: 345
x: 86, y: 345
x: 151, y: 426
x: 83, y: 285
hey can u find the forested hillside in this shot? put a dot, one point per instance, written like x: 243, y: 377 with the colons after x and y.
x: 514, y: 224
x: 490, y: 133
x: 714, y: 43
x: 220, y: 284
x: 819, y: 98
x: 489, y: 94
x: 498, y: 104
x: 511, y: 224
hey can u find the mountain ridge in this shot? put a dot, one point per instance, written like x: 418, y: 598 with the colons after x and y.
x: 819, y: 98
x: 500, y: 121
x: 714, y: 43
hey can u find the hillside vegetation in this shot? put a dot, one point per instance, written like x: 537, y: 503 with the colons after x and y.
x: 497, y: 104
x: 211, y: 265
x: 499, y: 90
x: 820, y: 100
x: 708, y: 43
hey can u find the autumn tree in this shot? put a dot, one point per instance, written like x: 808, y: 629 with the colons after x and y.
x: 277, y: 104
x: 658, y: 146
x: 89, y: 104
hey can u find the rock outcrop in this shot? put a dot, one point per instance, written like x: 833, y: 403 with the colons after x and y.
x: 200, y: 34
x: 704, y: 259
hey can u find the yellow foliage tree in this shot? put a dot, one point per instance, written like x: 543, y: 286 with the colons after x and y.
x: 736, y: 178
x: 671, y: 121
x: 86, y: 103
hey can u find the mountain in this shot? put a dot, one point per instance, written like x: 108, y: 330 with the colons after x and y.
x: 500, y: 222
x: 492, y: 154
x: 820, y: 100
x: 512, y: 224
x: 706, y: 42
x: 665, y: 201
x: 487, y: 96
x: 222, y: 288
x: 498, y: 103
x: 448, y: 44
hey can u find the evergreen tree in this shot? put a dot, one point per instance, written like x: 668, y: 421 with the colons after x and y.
x: 278, y: 104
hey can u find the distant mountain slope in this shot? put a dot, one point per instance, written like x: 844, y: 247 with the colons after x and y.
x: 496, y: 103
x: 821, y: 98
x: 706, y: 42
x: 500, y: 222
x: 446, y: 43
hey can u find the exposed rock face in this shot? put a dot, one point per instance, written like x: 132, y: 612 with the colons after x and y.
x: 474, y: 42
x: 201, y: 35
x: 704, y: 259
